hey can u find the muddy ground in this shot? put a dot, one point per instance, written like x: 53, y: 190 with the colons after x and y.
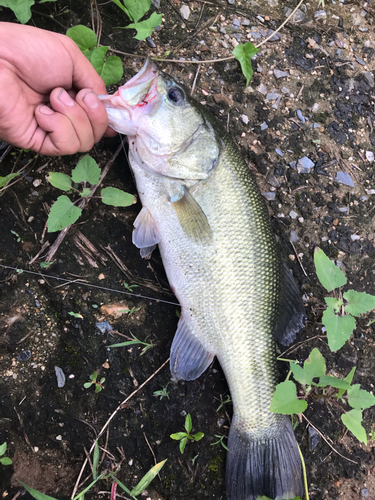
x: 320, y: 106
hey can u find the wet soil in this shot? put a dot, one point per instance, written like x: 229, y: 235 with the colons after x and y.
x: 325, y: 112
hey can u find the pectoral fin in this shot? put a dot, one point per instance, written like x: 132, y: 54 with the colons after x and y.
x: 189, y: 357
x: 145, y: 233
x: 193, y: 220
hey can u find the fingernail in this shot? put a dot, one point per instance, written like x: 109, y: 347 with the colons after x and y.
x: 91, y: 100
x: 46, y: 110
x: 65, y: 98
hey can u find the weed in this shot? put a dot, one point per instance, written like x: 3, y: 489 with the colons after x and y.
x: 98, y: 385
x: 146, y: 344
x: 339, y: 322
x: 183, y: 437
x: 372, y: 434
x: 224, y: 402
x: 135, y: 11
x: 162, y: 393
x: 243, y: 52
x: 220, y: 441
x: 130, y: 288
x: 4, y: 460
x: 65, y: 212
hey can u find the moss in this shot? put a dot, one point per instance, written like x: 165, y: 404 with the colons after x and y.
x: 215, y: 464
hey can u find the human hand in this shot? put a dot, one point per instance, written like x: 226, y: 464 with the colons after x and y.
x: 48, y: 93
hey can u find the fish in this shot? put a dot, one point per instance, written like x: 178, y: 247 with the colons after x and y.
x: 202, y: 207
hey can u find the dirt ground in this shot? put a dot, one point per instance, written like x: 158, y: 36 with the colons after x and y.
x: 312, y: 95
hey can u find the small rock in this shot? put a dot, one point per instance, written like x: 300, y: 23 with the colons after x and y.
x: 104, y: 326
x: 354, y: 237
x: 263, y: 126
x: 345, y: 179
x: 360, y: 61
x: 185, y: 12
x: 320, y: 14
x: 284, y: 90
x: 280, y: 74
x: 364, y: 492
x: 275, y: 105
x: 269, y: 196
x: 300, y: 116
x: 272, y: 96
x: 315, y: 108
x: 293, y: 215
x: 156, y: 4
x: 245, y: 22
x: 245, y: 119
x: 314, y: 438
x: 236, y: 22
x: 293, y: 237
x: 222, y: 99
x: 369, y: 77
x: 150, y: 42
x: 24, y: 356
x: 60, y: 375
x: 362, y: 29
x: 275, y: 38
x: 279, y: 152
x: 262, y: 89
x: 231, y: 2
x: 356, y: 19
x: 369, y: 156
x: 304, y: 165
x: 368, y: 191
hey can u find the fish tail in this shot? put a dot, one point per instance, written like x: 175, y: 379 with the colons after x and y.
x: 269, y: 466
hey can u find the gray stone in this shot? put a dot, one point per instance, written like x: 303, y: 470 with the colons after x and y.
x: 104, y: 326
x: 293, y: 237
x: 275, y: 38
x: 285, y: 90
x: 272, y: 96
x: 304, y: 165
x: 245, y: 119
x: 360, y: 61
x: 345, y: 179
x: 269, y: 196
x: 262, y: 89
x: 279, y: 152
x: 320, y: 14
x: 236, y: 22
x: 263, y: 126
x: 369, y: 156
x: 185, y: 12
x: 60, y: 375
x: 300, y: 116
x: 293, y: 215
x: 369, y: 77
x: 280, y: 74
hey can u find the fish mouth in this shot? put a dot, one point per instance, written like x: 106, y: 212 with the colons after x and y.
x: 127, y: 102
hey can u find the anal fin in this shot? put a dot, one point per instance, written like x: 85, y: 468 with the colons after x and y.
x: 145, y: 233
x: 189, y: 357
x: 293, y: 315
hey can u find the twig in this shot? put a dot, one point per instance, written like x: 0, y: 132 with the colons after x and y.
x: 81, y: 205
x: 299, y: 260
x: 108, y: 422
x: 152, y: 451
x: 326, y: 440
x: 45, y: 245
x: 195, y: 80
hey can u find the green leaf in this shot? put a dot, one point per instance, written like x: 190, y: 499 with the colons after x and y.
x: 75, y: 315
x: 352, y: 420
x: 136, y: 9
x: 3, y: 448
x: 85, y: 192
x: 62, y: 214
x: 9, y: 177
x: 60, y: 181
x: 329, y: 275
x: 338, y: 383
x: 45, y: 265
x: 359, y: 398
x: 122, y: 486
x: 112, y: 70
x: 339, y: 328
x: 83, y: 37
x: 86, y: 385
x: 87, y: 170
x: 96, y: 57
x: 116, y: 197
x: 119, y: 4
x: 81, y: 495
x: 349, y: 379
x: 334, y: 303
x: 21, y: 8
x: 243, y: 52
x: 95, y: 461
x: 285, y: 399
x: 198, y: 436
x: 6, y: 461
x: 188, y: 423
x: 178, y: 435
x: 315, y: 365
x: 147, y: 478
x: 300, y: 374
x: 35, y: 493
x: 183, y: 444
x: 358, y: 302
x: 144, y: 28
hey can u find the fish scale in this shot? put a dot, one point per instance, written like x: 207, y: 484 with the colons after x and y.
x: 201, y: 205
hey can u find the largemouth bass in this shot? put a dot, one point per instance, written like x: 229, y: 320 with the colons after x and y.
x: 202, y: 207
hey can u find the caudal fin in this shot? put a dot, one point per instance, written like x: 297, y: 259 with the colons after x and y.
x: 266, y: 466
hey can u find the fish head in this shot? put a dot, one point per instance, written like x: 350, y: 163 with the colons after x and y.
x: 169, y: 133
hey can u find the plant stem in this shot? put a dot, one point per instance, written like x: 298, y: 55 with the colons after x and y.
x: 304, y: 474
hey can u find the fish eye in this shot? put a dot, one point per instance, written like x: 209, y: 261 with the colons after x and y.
x: 176, y: 95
